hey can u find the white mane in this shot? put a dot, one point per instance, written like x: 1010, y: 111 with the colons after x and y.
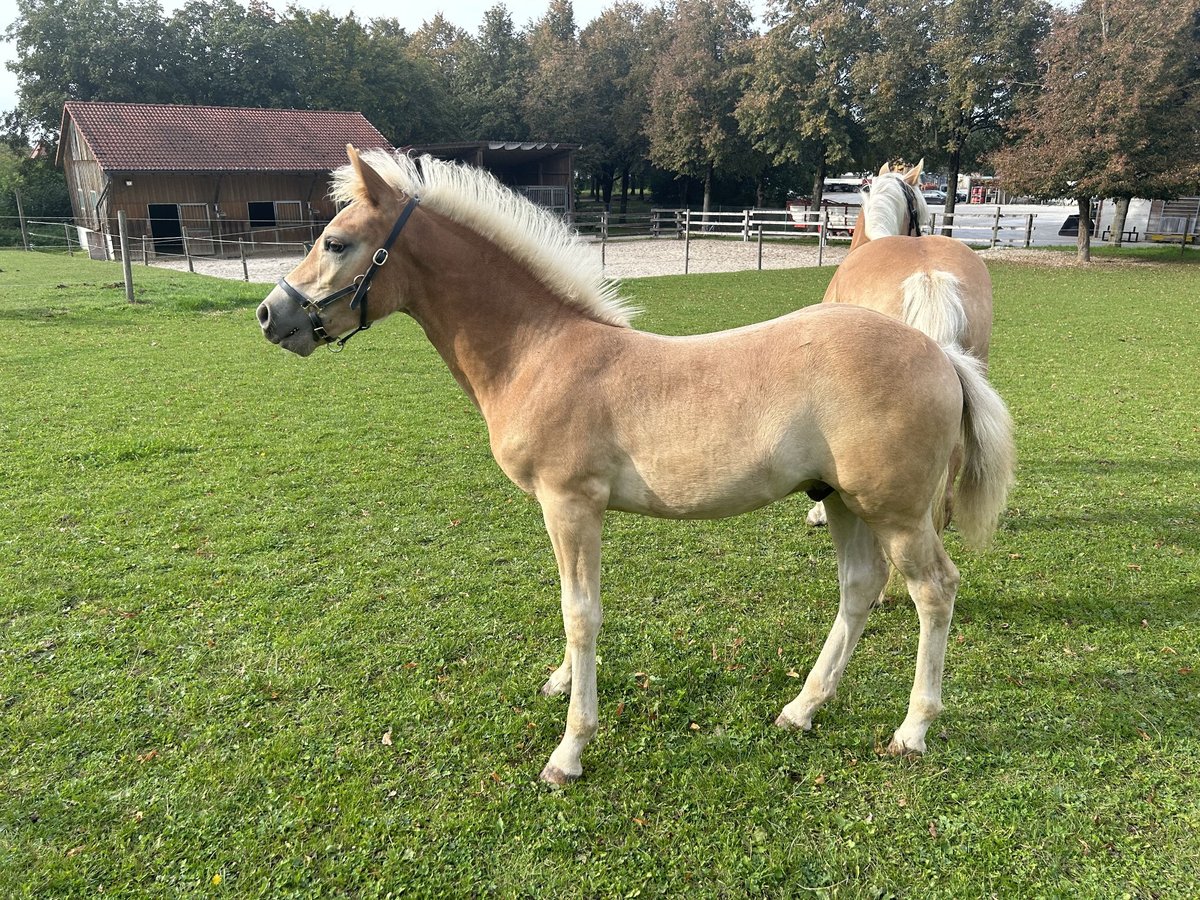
x: 531, y: 234
x: 885, y: 207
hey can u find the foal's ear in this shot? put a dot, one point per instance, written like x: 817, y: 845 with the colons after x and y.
x: 885, y: 169
x: 913, y: 175
x: 372, y: 188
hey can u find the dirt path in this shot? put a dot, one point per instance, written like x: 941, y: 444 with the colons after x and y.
x: 622, y: 259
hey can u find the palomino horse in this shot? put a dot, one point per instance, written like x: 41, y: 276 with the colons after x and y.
x: 587, y: 414
x: 934, y: 283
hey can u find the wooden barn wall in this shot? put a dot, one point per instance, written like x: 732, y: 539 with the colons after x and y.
x: 226, y: 197
x: 85, y: 179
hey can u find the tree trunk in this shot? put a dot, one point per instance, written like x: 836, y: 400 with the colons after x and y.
x: 1084, y: 242
x: 818, y: 188
x: 606, y: 189
x: 1120, y: 213
x: 952, y: 170
x: 624, y: 192
x: 708, y: 180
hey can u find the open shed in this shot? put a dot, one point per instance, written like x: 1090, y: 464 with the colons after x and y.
x: 541, y: 170
x: 220, y: 175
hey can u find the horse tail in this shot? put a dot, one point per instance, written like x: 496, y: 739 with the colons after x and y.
x: 988, y: 452
x: 933, y: 304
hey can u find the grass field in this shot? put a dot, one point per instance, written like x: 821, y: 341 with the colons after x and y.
x: 275, y: 627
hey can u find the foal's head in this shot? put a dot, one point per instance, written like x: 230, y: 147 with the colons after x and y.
x: 326, y: 296
x: 894, y: 204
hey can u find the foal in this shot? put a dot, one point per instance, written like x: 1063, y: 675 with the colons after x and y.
x: 586, y: 414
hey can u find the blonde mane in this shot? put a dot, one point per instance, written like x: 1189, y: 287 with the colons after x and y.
x: 885, y: 207
x: 531, y: 234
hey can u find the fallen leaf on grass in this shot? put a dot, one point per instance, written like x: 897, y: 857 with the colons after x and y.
x: 74, y: 851
x: 386, y: 740
x: 146, y: 757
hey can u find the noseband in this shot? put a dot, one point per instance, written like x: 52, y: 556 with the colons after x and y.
x: 359, y: 288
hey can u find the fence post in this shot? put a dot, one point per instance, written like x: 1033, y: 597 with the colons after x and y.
x: 996, y: 228
x: 126, y: 264
x: 687, y: 238
x: 67, y: 235
x: 603, y: 237
x: 745, y: 225
x: 145, y: 252
x: 21, y: 216
x: 242, y: 254
x: 1029, y: 231
x: 187, y: 250
x: 822, y: 225
x: 760, y: 246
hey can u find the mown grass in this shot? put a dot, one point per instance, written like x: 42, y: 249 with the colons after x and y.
x: 275, y: 627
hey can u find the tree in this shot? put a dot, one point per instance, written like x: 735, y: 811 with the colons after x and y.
x: 446, y: 47
x: 694, y: 93
x: 554, y: 102
x: 940, y: 79
x: 1118, y: 113
x: 88, y: 50
x: 496, y: 66
x: 799, y: 104
x: 617, y: 52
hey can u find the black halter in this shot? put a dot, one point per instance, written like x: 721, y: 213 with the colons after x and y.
x: 910, y: 197
x: 359, y: 287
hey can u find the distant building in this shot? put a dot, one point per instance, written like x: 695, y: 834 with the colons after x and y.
x: 225, y: 174
x: 541, y: 170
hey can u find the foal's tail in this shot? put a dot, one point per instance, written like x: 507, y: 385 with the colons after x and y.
x: 933, y: 304
x: 988, y: 453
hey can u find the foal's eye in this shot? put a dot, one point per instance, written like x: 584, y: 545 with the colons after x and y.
x: 334, y: 246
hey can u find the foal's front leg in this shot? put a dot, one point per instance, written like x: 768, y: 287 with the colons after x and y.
x: 574, y: 527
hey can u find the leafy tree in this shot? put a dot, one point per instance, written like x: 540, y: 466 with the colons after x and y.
x: 940, y: 79
x: 553, y: 105
x: 695, y: 90
x: 446, y: 47
x: 88, y: 49
x: 1119, y: 111
x: 617, y: 53
x: 496, y: 64
x: 798, y: 106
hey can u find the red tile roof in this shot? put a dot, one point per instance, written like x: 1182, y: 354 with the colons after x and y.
x: 133, y: 137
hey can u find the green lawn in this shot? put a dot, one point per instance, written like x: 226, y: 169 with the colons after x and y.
x: 275, y: 627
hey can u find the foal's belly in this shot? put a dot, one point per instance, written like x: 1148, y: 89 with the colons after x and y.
x: 710, y: 492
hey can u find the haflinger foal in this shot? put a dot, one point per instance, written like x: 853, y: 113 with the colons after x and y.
x: 587, y: 414
x: 936, y: 284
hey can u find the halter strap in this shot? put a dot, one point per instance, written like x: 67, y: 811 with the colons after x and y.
x: 359, y: 287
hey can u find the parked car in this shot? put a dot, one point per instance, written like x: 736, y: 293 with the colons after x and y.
x: 937, y: 198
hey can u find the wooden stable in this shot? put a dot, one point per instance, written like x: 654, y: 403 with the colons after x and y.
x: 224, y: 177
x: 543, y: 171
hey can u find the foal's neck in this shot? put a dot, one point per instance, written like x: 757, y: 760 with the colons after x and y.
x: 486, y: 314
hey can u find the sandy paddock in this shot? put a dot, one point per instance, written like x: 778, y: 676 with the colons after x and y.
x: 622, y: 259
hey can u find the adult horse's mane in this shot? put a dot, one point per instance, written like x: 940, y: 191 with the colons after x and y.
x: 885, y: 207
x: 531, y: 234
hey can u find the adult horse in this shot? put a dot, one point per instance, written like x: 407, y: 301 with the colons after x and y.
x: 587, y: 414
x: 934, y: 283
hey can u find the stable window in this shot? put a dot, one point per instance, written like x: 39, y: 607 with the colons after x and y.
x: 275, y: 213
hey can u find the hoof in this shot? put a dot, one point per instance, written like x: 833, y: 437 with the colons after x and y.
x: 900, y: 747
x: 555, y: 776
x: 816, y: 517
x: 550, y: 689
x: 787, y: 723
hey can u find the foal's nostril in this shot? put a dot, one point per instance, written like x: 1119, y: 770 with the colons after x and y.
x: 264, y: 315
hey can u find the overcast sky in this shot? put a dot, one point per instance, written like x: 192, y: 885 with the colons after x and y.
x: 466, y: 14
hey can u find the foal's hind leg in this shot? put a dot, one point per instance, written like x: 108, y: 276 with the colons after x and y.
x: 932, y: 582
x: 862, y: 572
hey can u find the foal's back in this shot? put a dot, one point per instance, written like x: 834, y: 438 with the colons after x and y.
x: 873, y: 275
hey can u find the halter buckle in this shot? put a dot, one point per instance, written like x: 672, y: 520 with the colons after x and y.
x: 380, y: 257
